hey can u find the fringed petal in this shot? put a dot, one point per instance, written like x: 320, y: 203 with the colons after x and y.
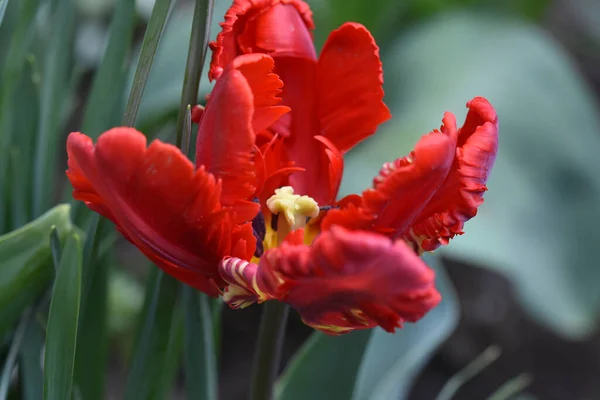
x: 349, y: 83
x: 457, y: 200
x: 160, y: 203
x: 277, y: 27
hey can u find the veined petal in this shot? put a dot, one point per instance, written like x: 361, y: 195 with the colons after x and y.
x: 457, y: 200
x: 240, y: 275
x: 404, y: 187
x: 349, y: 82
x: 160, y: 203
x: 242, y: 102
x: 277, y: 27
x: 349, y: 280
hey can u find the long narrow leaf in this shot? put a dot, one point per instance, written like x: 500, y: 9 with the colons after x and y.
x: 172, y: 360
x: 11, y: 358
x: 199, y: 36
x: 149, y: 46
x: 92, y: 340
x: 152, y: 344
x: 55, y: 81
x: 104, y: 108
x: 30, y: 370
x: 105, y: 105
x: 55, y: 247
x: 13, y: 67
x: 63, y: 321
x: 3, y: 5
x: 18, y: 190
x: 199, y: 355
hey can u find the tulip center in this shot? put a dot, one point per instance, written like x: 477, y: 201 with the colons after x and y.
x: 292, y: 210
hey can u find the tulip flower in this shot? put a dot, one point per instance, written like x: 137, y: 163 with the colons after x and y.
x: 257, y: 218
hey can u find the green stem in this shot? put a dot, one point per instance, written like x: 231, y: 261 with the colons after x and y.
x: 149, y: 46
x: 482, y: 361
x: 267, y: 355
x: 203, y: 11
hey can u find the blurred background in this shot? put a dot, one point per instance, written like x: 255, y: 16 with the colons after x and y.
x: 524, y: 277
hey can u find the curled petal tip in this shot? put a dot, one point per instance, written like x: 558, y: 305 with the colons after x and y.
x: 458, y: 199
x: 248, y: 28
x: 349, y: 280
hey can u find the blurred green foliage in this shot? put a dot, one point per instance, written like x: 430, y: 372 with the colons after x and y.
x: 537, y: 225
x: 26, y: 267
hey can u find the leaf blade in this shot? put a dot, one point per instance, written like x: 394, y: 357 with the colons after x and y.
x: 63, y: 321
x: 26, y: 263
x: 152, y: 344
x: 199, y: 356
x: 147, y: 54
x: 393, y: 361
x: 55, y: 81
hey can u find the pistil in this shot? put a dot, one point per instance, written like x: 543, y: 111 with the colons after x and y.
x: 292, y: 209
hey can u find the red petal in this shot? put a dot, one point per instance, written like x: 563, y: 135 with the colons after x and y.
x: 349, y: 80
x: 158, y: 201
x: 250, y: 25
x: 276, y: 168
x: 350, y: 214
x: 241, y: 290
x: 457, y: 199
x: 349, y: 280
x: 300, y: 129
x: 265, y: 87
x: 242, y: 101
x: 280, y: 30
x: 403, y: 188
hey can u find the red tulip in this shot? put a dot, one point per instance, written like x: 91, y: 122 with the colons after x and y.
x: 343, y: 265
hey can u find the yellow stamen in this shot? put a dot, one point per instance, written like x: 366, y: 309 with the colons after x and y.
x: 294, y: 209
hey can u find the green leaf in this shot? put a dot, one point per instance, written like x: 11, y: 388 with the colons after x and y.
x: 199, y: 355
x: 55, y: 247
x: 172, y: 361
x: 18, y: 187
x: 54, y: 92
x: 26, y: 266
x: 29, y: 361
x: 198, y: 46
x: 10, y: 97
x: 105, y: 104
x: 392, y: 361
x: 3, y: 5
x: 155, y: 343
x: 324, y: 368
x: 149, y: 45
x: 63, y: 320
x: 13, y: 352
x: 538, y: 223
x: 163, y: 92
x: 92, y: 338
